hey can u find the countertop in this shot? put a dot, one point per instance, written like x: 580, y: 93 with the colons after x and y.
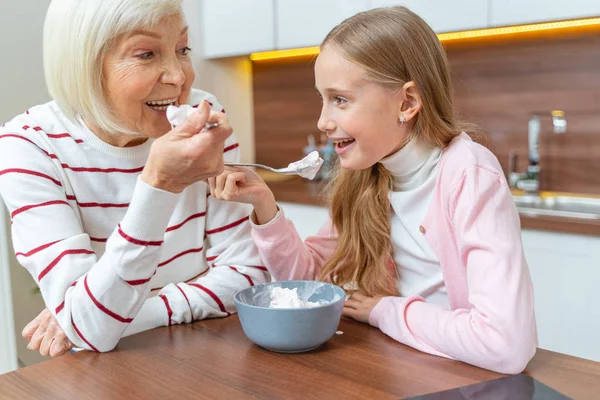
x: 294, y: 189
x: 213, y: 359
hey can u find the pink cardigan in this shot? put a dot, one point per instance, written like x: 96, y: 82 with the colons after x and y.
x: 473, y: 227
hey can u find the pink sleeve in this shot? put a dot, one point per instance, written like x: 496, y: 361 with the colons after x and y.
x: 498, y: 331
x: 286, y: 256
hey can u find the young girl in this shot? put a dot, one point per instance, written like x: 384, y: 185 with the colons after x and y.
x: 422, y: 221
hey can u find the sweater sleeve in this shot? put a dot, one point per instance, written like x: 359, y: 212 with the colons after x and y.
x: 498, y: 332
x: 234, y: 264
x: 286, y: 256
x: 93, y: 298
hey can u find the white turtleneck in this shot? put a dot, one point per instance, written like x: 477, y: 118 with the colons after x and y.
x: 415, y: 170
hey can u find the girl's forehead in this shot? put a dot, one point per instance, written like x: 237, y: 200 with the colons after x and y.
x: 333, y: 69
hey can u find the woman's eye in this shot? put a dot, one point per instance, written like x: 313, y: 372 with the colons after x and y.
x: 185, y: 51
x: 146, y: 56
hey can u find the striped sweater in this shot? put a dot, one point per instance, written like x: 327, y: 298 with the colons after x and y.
x: 112, y: 255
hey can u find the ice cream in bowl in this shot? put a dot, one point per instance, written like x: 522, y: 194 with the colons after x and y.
x: 290, y: 316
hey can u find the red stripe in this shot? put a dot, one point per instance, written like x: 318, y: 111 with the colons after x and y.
x: 62, y: 305
x: 169, y: 311
x: 28, y: 140
x: 162, y: 264
x: 188, y: 281
x: 101, y: 205
x: 37, y: 249
x: 55, y: 135
x: 139, y: 281
x: 198, y: 276
x: 229, y: 148
x: 27, y: 112
x: 186, y: 299
x: 244, y: 275
x: 29, y: 172
x: 81, y: 336
x: 191, y: 217
x: 101, y: 307
x: 101, y: 240
x: 60, y: 256
x: 211, y: 258
x: 232, y: 225
x: 26, y: 208
x: 103, y: 170
x: 12, y: 135
x: 260, y: 267
x: 136, y: 241
x: 214, y: 297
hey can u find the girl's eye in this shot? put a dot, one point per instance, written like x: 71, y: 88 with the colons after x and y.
x: 146, y: 56
x: 340, y: 100
x: 185, y: 51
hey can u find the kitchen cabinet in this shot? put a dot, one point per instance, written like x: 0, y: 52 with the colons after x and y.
x: 236, y: 27
x: 565, y: 269
x: 443, y: 15
x: 514, y: 12
x: 306, y: 23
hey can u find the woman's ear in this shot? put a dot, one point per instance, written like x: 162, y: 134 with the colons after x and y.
x: 411, y: 102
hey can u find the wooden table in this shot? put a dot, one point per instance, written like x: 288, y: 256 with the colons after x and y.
x: 213, y: 359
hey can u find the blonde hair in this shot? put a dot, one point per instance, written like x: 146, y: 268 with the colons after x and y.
x: 77, y: 36
x: 393, y: 46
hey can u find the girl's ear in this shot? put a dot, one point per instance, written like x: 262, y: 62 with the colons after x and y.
x: 411, y: 102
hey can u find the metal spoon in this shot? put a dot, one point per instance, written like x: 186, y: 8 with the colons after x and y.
x: 284, y: 171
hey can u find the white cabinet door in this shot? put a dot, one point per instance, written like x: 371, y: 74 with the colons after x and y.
x: 565, y: 270
x: 514, y: 12
x: 305, y: 23
x: 444, y: 15
x: 236, y: 27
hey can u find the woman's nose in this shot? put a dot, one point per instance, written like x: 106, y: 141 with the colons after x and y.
x: 173, y: 74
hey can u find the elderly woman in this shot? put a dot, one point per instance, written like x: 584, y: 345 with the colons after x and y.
x: 110, y: 209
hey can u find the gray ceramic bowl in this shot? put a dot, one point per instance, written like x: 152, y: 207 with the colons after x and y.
x: 290, y: 330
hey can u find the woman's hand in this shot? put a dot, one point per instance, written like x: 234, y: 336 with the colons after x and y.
x: 44, y: 334
x: 359, y: 306
x: 186, y: 155
x: 245, y: 186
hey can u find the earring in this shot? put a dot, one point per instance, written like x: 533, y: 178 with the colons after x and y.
x: 402, y: 119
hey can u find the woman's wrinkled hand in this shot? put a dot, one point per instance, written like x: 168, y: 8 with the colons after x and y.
x: 187, y: 154
x: 243, y: 185
x: 44, y: 334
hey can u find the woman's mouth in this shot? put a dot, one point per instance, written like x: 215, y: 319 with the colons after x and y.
x: 161, y: 105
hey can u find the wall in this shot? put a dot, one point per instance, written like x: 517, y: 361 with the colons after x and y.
x: 497, y: 82
x: 21, y: 86
x: 230, y: 79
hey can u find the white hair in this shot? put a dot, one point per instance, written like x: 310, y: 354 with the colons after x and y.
x: 77, y: 35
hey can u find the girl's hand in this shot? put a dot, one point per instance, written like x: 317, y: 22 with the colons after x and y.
x: 359, y: 306
x: 44, y: 334
x: 245, y: 186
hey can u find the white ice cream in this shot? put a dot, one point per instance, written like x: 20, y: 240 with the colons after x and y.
x: 288, y: 298
x: 177, y: 115
x: 308, y: 166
